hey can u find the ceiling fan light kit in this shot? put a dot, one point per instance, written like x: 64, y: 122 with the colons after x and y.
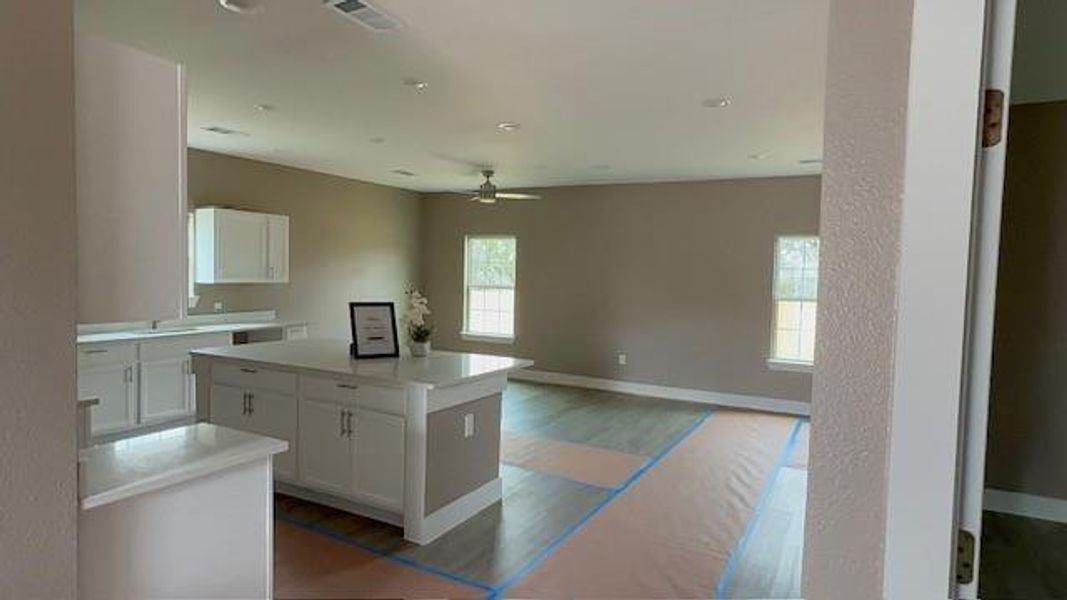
x: 488, y: 193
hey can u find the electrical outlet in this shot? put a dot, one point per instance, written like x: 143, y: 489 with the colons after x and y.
x: 622, y: 359
x: 468, y: 425
x: 218, y: 306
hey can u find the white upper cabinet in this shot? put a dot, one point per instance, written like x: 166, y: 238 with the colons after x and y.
x: 130, y: 156
x: 236, y: 246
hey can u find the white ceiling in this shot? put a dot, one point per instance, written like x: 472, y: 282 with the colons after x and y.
x: 605, y: 90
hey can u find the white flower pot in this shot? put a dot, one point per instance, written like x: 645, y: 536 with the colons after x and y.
x: 420, y: 348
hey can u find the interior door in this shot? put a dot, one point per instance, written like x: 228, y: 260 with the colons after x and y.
x: 325, y: 447
x: 241, y: 246
x: 163, y: 389
x: 982, y: 297
x: 378, y: 458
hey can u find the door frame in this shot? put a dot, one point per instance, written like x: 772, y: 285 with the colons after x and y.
x: 985, y: 254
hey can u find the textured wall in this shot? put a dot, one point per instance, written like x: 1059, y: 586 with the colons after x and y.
x: 38, y: 464
x: 1028, y: 416
x: 348, y: 240
x: 863, y: 171
x: 676, y: 275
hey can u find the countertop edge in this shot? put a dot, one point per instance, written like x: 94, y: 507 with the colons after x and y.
x: 206, y: 466
x: 209, y: 329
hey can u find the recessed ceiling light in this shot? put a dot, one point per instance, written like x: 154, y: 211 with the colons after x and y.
x: 377, y: 140
x: 508, y: 126
x: 403, y: 172
x: 720, y: 102
x: 242, y: 7
x: 758, y: 155
x: 418, y: 84
x: 262, y: 107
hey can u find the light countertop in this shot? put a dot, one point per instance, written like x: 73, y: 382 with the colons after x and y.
x: 126, y: 468
x: 141, y: 334
x: 441, y: 368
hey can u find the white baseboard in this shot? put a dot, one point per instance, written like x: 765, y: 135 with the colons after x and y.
x: 789, y: 407
x: 1026, y: 505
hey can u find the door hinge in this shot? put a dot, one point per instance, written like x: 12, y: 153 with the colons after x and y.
x: 993, y: 118
x: 964, y: 557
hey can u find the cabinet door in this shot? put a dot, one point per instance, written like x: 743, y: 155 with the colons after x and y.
x: 115, y: 386
x: 379, y: 459
x: 164, y: 392
x: 278, y: 248
x: 275, y: 415
x: 325, y: 448
x: 240, y: 246
x: 228, y: 407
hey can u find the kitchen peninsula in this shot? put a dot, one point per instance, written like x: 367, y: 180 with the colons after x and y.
x: 410, y: 441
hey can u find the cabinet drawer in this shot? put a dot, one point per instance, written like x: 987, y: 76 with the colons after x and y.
x: 337, y: 390
x: 179, y: 347
x: 95, y: 355
x: 392, y: 401
x: 254, y: 377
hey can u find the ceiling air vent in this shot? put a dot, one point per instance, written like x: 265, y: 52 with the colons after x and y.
x: 366, y: 15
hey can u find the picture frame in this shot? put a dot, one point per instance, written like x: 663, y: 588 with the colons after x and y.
x: 374, y: 333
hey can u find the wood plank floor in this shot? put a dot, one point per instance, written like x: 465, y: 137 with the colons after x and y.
x: 1022, y: 558
x: 540, y: 507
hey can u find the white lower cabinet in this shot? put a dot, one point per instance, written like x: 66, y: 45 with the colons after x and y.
x: 379, y: 458
x: 165, y: 389
x: 348, y: 450
x: 114, y: 385
x: 259, y: 411
x: 325, y: 447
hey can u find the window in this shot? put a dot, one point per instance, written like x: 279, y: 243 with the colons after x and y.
x: 490, y: 287
x: 796, y: 287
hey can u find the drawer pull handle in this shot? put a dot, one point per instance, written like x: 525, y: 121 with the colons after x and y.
x: 348, y: 386
x: 96, y: 351
x: 343, y: 432
x: 249, y: 370
x: 350, y: 431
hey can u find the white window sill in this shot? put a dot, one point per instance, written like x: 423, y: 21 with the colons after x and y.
x: 488, y: 338
x: 788, y: 365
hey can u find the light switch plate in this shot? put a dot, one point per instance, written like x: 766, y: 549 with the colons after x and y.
x: 468, y: 425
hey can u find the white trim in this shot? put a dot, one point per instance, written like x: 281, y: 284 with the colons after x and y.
x: 458, y: 511
x: 1026, y: 505
x: 775, y: 405
x: 777, y: 364
x: 487, y: 338
x: 942, y: 117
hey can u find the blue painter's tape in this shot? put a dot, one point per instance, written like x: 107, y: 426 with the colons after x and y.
x: 536, y: 561
x: 731, y: 563
x: 407, y: 562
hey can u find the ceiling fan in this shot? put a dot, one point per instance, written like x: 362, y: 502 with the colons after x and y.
x: 489, y: 194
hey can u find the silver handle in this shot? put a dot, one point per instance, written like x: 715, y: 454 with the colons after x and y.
x: 348, y: 386
x: 244, y: 403
x: 96, y: 351
x: 251, y: 403
x: 128, y: 374
x: 343, y: 432
x: 350, y: 431
x: 249, y: 370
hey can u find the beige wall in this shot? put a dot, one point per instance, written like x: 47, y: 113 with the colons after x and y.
x: 38, y: 476
x: 863, y: 182
x: 349, y: 240
x: 1028, y: 413
x: 677, y: 276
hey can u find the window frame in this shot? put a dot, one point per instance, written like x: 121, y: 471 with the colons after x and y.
x: 775, y: 362
x: 475, y: 336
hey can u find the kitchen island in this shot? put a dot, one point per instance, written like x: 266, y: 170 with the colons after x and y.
x: 412, y: 441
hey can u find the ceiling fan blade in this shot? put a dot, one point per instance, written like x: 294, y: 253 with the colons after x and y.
x: 517, y: 196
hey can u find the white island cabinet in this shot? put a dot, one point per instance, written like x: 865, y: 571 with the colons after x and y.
x: 410, y: 441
